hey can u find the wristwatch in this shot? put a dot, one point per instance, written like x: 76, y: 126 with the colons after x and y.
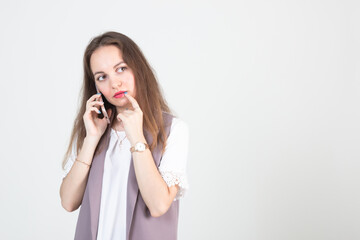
x: 139, y: 147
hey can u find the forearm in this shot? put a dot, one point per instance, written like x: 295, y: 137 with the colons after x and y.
x: 155, y: 192
x: 73, y: 186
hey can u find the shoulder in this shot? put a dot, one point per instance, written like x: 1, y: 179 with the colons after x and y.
x: 179, y: 129
x: 167, y: 118
x: 178, y: 123
x: 175, y: 121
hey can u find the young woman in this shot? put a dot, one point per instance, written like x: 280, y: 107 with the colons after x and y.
x: 126, y: 160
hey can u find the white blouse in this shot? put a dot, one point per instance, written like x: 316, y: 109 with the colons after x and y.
x: 112, y: 219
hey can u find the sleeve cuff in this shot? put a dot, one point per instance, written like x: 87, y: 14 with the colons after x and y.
x: 173, y: 178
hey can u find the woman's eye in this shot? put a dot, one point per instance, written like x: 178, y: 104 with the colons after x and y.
x: 100, y: 78
x: 121, y: 69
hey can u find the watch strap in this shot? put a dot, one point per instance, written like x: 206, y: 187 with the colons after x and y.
x: 132, y: 149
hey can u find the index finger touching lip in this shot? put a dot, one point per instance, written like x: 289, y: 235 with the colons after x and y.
x: 132, y: 100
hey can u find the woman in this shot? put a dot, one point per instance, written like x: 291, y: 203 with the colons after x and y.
x: 126, y: 171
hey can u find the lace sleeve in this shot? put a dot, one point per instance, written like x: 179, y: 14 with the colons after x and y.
x: 173, y: 163
x: 173, y: 178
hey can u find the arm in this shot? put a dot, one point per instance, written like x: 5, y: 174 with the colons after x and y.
x: 156, y: 194
x: 154, y: 190
x: 73, y: 185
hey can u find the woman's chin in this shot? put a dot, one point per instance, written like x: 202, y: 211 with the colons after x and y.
x: 123, y: 106
x: 120, y: 102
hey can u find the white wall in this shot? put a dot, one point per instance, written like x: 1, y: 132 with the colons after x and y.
x: 270, y: 90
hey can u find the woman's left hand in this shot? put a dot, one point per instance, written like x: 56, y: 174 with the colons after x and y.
x: 132, y: 120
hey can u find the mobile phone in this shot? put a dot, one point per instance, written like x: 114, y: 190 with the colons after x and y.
x: 103, y: 110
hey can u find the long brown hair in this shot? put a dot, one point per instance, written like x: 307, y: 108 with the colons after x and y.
x: 148, y: 92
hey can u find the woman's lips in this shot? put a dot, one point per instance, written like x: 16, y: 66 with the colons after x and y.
x: 119, y: 94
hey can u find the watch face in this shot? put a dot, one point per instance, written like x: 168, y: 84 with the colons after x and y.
x: 140, y: 147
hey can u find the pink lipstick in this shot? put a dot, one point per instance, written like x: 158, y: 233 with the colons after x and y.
x: 120, y: 94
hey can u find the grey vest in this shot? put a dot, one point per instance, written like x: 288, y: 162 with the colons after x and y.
x: 140, y: 224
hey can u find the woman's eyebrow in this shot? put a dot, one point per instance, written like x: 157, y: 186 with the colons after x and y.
x: 113, y: 67
x: 118, y: 64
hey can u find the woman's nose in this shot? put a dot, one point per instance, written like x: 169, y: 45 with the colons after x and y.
x: 116, y: 82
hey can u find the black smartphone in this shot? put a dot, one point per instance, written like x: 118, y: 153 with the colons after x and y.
x: 103, y: 110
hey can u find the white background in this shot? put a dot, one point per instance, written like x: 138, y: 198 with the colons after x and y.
x: 269, y: 89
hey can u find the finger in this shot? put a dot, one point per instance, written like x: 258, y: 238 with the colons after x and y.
x: 133, y: 102
x: 128, y: 112
x: 99, y: 103
x: 92, y: 100
x: 120, y: 117
x: 125, y: 113
x: 94, y: 109
x: 93, y: 97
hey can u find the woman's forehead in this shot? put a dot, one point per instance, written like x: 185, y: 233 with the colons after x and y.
x: 104, y: 57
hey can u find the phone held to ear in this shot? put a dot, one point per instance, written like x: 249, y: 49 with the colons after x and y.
x: 103, y: 110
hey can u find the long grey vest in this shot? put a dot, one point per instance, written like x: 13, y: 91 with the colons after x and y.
x: 140, y: 224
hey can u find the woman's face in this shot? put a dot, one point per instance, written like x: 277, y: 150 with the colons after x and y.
x: 112, y: 75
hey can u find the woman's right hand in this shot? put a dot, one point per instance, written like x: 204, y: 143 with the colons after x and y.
x: 95, y: 126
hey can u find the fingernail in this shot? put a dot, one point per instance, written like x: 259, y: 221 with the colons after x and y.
x: 125, y: 92
x: 98, y: 111
x: 98, y: 93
